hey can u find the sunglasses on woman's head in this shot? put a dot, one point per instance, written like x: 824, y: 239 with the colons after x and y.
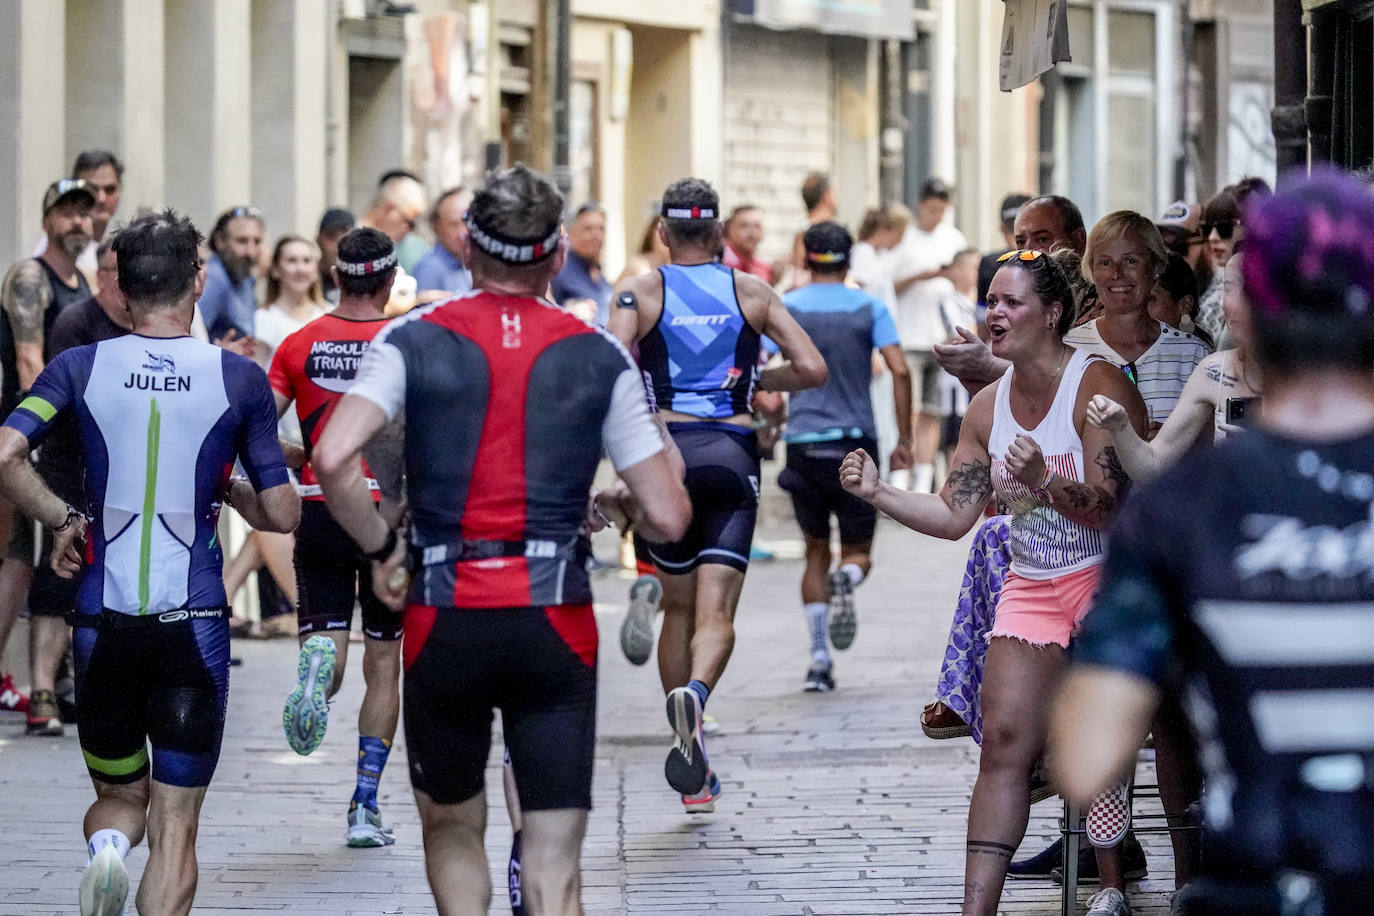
x: 1223, y: 227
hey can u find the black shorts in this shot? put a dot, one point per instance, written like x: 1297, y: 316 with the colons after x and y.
x: 141, y: 681
x: 50, y: 595
x: 812, y: 476
x: 332, y: 575
x: 723, y: 484
x: 537, y: 665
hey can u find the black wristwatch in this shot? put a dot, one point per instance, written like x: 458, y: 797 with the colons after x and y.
x: 383, y: 553
x: 71, y: 514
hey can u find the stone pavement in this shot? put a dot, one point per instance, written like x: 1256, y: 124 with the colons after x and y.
x: 833, y: 803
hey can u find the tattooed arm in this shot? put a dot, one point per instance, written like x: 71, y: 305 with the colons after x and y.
x: 1188, y: 421
x: 1092, y: 502
x: 385, y: 457
x: 956, y: 509
x: 25, y: 297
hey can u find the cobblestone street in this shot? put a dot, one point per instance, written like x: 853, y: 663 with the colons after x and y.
x: 833, y: 803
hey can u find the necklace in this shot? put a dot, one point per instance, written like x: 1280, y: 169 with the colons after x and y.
x: 1049, y: 386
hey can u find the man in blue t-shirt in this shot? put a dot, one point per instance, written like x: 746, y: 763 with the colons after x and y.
x: 825, y: 424
x: 441, y: 273
x: 227, y: 303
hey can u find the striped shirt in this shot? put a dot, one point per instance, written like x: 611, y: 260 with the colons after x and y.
x: 1160, y: 373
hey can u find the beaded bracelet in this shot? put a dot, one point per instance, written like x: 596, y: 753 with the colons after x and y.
x: 1042, y: 492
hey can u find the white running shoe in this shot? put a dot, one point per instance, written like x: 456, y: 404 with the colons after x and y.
x: 844, y: 623
x: 637, y: 630
x: 365, y: 828
x: 104, y: 885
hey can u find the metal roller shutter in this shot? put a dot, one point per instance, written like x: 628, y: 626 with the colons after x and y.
x: 779, y: 125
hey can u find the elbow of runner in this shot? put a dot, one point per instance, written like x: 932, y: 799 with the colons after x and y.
x: 813, y: 372
x: 670, y: 516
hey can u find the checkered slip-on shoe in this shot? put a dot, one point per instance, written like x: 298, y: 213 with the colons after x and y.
x: 1110, y: 816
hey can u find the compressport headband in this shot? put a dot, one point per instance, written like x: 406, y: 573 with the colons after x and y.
x: 680, y: 212
x: 367, y: 268
x: 513, y: 250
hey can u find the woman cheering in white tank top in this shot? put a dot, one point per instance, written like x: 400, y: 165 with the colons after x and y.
x: 1026, y: 438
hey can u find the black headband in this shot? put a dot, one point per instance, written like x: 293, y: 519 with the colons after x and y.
x: 367, y: 268
x: 513, y: 250
x: 669, y: 211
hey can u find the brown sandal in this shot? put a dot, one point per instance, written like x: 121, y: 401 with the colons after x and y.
x: 939, y: 721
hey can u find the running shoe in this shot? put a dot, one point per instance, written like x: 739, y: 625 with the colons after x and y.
x: 306, y: 714
x: 843, y: 622
x: 365, y: 828
x: 1108, y: 902
x: 637, y: 631
x: 104, y: 885
x: 44, y: 718
x: 703, y: 802
x: 686, y: 768
x: 11, y: 698
x: 818, y: 680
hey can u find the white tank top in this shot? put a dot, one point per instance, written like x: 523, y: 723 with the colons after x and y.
x: 1044, y: 544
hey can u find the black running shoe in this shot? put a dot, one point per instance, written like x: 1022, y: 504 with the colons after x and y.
x: 1133, y: 862
x: 819, y: 680
x: 686, y: 768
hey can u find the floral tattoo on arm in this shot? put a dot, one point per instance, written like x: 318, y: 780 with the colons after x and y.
x: 969, y: 484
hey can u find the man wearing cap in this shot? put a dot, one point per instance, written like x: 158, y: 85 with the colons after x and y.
x: 988, y: 266
x: 825, y: 424
x: 333, y: 225
x: 104, y: 173
x: 313, y: 368
x: 698, y: 325
x: 472, y: 398
x: 928, y: 245
x: 35, y: 292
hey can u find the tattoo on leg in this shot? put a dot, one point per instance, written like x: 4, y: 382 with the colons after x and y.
x: 969, y: 484
x: 988, y: 848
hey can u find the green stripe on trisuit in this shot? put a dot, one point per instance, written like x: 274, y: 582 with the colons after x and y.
x: 121, y: 767
x: 39, y: 408
x: 145, y: 549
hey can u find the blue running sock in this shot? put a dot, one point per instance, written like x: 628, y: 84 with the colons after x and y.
x: 372, y: 754
x: 701, y: 690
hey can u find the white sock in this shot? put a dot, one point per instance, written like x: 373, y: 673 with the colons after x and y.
x: 853, y: 572
x: 924, y: 478
x: 900, y: 479
x: 817, y: 616
x: 108, y: 837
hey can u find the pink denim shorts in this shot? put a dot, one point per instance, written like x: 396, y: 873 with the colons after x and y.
x: 1044, y: 611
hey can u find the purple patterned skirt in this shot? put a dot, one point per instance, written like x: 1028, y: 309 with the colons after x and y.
x: 961, y: 675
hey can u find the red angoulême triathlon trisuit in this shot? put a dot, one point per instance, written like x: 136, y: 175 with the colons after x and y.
x: 509, y: 403
x: 315, y: 367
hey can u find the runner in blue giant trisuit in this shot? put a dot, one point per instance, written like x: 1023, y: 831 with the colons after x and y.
x: 161, y: 418
x: 698, y: 324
